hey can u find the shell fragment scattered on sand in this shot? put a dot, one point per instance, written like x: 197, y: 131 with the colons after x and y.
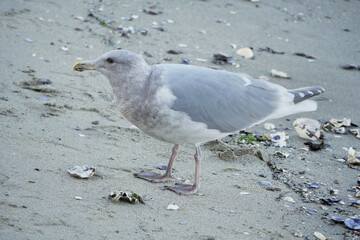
x: 126, y: 196
x: 172, y: 207
x: 279, y: 74
x: 82, y: 172
x: 245, y: 52
x: 279, y: 139
x: 269, y: 126
x: 320, y: 236
x: 353, y: 156
x: 308, y: 129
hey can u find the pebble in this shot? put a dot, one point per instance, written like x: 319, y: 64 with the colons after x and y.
x: 289, y: 199
x: 172, y: 207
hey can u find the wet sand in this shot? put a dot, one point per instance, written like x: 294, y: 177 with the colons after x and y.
x: 47, y: 128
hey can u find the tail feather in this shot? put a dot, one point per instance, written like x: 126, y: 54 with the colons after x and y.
x: 302, y: 94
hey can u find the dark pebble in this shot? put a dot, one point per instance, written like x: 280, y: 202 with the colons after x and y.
x: 95, y: 122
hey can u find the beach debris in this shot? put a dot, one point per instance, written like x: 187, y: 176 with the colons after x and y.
x: 172, y: 207
x: 314, y: 185
x: 281, y: 154
x: 304, y: 55
x: 244, y: 193
x: 126, y: 196
x: 82, y: 172
x: 315, y: 146
x: 245, y: 52
x: 222, y: 58
x: 338, y: 220
x: 279, y: 74
x: 356, y: 132
x: 64, y: 48
x: 152, y: 12
x: 289, y: 199
x: 298, y: 234
x: 329, y: 201
x: 96, y: 122
x: 337, y: 126
x: 269, y: 126
x: 353, y: 156
x: 174, y: 52
x: 249, y: 138
x: 265, y: 183
x: 78, y: 198
x: 279, y: 139
x: 351, y: 67
x: 28, y: 40
x: 270, y: 50
x: 320, y: 236
x: 352, y: 223
x: 308, y: 129
x: 355, y: 204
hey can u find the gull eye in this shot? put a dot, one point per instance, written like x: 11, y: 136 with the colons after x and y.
x: 110, y: 60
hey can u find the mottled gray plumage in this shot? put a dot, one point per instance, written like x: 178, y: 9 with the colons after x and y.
x: 190, y: 104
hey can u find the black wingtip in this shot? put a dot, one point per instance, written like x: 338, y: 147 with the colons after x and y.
x: 302, y: 94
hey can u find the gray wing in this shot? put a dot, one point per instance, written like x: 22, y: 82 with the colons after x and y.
x: 223, y: 100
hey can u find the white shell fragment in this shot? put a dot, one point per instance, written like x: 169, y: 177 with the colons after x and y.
x: 279, y: 139
x: 276, y: 73
x: 269, y: 126
x: 245, y: 52
x: 345, y: 122
x: 289, y: 199
x: 82, y: 172
x: 320, y: 236
x: 308, y: 128
x: 64, y: 48
x: 172, y: 207
x: 126, y: 196
x: 356, y: 132
x: 352, y: 156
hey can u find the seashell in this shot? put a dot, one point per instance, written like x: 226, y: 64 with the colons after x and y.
x: 245, y: 52
x: 82, y: 172
x: 308, y: 128
x: 276, y: 73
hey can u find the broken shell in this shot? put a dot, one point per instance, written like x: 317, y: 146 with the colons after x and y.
x: 279, y: 139
x: 308, y: 129
x: 126, y: 196
x: 64, y: 48
x: 320, y: 236
x: 352, y: 156
x: 245, y: 52
x: 345, y: 122
x: 352, y: 223
x: 355, y: 131
x: 338, y: 130
x: 172, y: 207
x: 276, y: 73
x: 269, y: 126
x: 82, y: 172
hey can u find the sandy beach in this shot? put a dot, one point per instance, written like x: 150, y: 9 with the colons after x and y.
x: 69, y: 118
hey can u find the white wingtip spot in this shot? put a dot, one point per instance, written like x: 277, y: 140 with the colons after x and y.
x: 309, y: 92
x: 301, y: 94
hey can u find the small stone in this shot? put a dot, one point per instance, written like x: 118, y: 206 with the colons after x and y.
x: 298, y: 234
x: 172, y: 207
x: 78, y: 198
x: 289, y: 199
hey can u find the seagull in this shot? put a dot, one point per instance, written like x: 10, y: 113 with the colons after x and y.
x: 184, y: 104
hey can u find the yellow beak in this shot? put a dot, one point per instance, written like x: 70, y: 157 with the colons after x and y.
x: 82, y: 66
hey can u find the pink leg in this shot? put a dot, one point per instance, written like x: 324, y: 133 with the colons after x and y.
x: 155, y: 177
x: 187, y: 188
